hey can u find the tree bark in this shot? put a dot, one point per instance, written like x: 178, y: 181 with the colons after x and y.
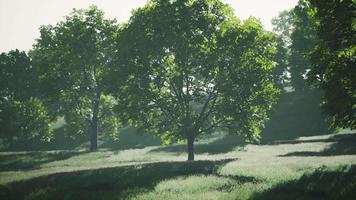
x: 190, y: 142
x: 94, y: 127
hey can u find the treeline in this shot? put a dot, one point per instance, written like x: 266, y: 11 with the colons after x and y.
x: 316, y: 70
x: 319, y: 38
x: 176, y: 69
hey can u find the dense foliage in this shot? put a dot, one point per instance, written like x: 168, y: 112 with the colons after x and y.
x: 303, y: 42
x: 320, y: 38
x: 178, y: 69
x: 334, y: 59
x: 71, y: 59
x: 193, y: 67
x: 297, y: 31
x: 23, y: 117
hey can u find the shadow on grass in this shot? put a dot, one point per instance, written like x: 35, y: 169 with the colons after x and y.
x: 344, y: 144
x: 322, y: 184
x: 224, y: 144
x: 110, y: 183
x: 32, y: 160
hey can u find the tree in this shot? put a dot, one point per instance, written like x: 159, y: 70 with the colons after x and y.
x: 304, y: 38
x: 16, y: 76
x: 333, y: 59
x: 280, y: 72
x: 30, y: 121
x: 192, y: 67
x: 283, y: 25
x: 298, y: 110
x: 297, y: 31
x: 72, y: 59
x: 22, y: 116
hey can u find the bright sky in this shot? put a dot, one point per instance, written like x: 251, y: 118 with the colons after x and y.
x: 21, y: 19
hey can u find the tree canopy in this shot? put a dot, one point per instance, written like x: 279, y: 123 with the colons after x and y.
x: 192, y: 67
x: 303, y: 42
x: 322, y: 54
x: 71, y: 59
x: 297, y: 31
x: 23, y: 117
x: 333, y: 59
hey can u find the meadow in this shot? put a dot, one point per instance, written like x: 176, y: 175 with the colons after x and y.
x: 78, y: 104
x: 313, y: 167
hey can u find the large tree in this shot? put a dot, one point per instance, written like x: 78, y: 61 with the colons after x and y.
x: 191, y: 67
x: 334, y: 59
x: 71, y: 59
x: 23, y: 117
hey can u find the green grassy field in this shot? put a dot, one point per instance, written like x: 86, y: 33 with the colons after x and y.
x: 319, y: 167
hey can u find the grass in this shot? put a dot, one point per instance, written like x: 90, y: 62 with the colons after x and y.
x: 319, y: 167
x: 323, y: 183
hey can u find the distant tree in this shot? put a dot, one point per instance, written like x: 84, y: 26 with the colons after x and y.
x: 303, y: 39
x: 72, y: 59
x: 22, y: 116
x: 297, y: 31
x: 299, y: 110
x: 334, y: 59
x: 283, y: 25
x: 280, y: 72
x: 192, y: 67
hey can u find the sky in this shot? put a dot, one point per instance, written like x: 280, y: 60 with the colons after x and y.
x: 20, y: 19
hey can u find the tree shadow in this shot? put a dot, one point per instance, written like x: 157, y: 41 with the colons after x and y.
x: 110, y: 183
x: 223, y: 144
x: 32, y: 160
x: 343, y: 144
x: 322, y: 184
x: 296, y: 114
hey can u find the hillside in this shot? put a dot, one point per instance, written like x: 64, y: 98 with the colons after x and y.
x: 319, y: 167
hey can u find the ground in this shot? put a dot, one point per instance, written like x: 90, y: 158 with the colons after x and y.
x: 319, y: 167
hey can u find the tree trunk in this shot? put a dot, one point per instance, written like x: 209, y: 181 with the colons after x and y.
x: 190, y: 142
x: 94, y: 127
